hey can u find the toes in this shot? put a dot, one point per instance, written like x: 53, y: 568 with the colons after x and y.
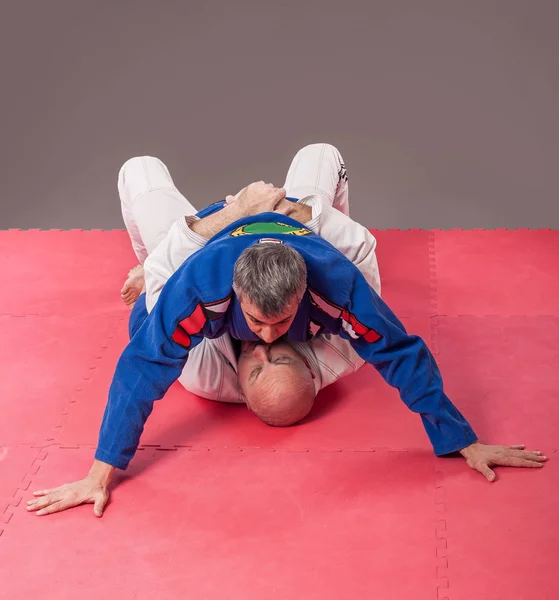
x: 130, y: 297
x: 133, y: 286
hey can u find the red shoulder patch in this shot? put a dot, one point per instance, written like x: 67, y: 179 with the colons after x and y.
x: 192, y: 325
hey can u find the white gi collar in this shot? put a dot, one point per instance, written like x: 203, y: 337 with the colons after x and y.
x: 315, y: 202
x: 306, y: 350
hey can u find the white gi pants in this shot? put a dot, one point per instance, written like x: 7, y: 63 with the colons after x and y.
x: 151, y: 203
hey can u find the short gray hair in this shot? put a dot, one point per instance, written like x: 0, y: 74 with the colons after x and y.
x: 269, y: 275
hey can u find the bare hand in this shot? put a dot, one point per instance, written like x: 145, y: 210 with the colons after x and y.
x: 85, y: 491
x: 256, y: 198
x: 481, y: 457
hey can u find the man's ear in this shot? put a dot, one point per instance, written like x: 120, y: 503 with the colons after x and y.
x: 242, y: 395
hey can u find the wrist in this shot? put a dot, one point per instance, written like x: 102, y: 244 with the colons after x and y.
x: 101, y: 473
x: 236, y: 211
x: 465, y: 452
x: 195, y: 226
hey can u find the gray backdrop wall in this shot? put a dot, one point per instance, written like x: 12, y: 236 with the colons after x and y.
x: 446, y: 112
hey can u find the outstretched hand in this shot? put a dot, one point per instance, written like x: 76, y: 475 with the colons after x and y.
x: 482, y: 457
x: 84, y: 491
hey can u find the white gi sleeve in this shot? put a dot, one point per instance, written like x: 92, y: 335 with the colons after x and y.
x: 210, y: 371
x: 179, y: 243
x: 330, y: 358
x: 353, y: 240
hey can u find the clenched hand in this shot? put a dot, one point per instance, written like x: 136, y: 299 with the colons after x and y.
x: 256, y: 198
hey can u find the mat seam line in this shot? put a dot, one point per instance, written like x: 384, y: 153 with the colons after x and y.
x: 433, y: 298
x: 113, y: 313
x: 85, y: 382
x: 50, y: 442
x: 16, y: 498
x: 441, y: 536
x: 232, y: 448
x: 441, y: 542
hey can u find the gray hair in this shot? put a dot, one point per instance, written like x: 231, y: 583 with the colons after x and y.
x: 269, y: 275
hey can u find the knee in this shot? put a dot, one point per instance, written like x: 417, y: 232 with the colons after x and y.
x: 320, y: 147
x: 138, y: 169
x: 137, y: 162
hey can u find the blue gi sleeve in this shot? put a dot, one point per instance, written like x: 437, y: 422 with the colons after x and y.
x: 138, y: 315
x: 406, y: 363
x: 148, y: 366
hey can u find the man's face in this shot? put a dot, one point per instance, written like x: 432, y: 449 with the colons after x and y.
x: 259, y: 362
x: 268, y: 329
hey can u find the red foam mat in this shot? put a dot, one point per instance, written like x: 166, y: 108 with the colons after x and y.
x: 351, y: 503
x: 498, y: 541
x: 239, y: 525
x: 47, y: 363
x: 63, y: 272
x: 502, y: 372
x: 496, y: 272
x: 405, y: 262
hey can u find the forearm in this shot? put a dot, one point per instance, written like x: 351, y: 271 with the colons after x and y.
x: 132, y: 394
x: 413, y: 371
x: 406, y: 363
x: 214, y: 223
x: 101, y: 472
x: 148, y: 366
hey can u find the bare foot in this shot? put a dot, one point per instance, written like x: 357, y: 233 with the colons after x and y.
x: 133, y: 286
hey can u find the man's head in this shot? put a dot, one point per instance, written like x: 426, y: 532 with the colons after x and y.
x: 276, y: 381
x: 269, y: 280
